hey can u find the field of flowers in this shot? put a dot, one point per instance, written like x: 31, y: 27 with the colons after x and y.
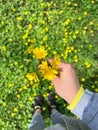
x: 32, y: 31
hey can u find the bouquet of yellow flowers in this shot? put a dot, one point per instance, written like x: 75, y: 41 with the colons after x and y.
x: 51, y: 69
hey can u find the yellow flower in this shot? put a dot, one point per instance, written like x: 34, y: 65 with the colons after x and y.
x: 49, y: 74
x: 49, y: 71
x: 42, y: 4
x: 35, y: 94
x: 21, y: 66
x: 79, y: 18
x: 45, y: 38
x: 32, y: 76
x: 4, y: 48
x: 25, y: 87
x: 76, y: 32
x: 40, y: 52
x: 20, y: 89
x: 10, y: 85
x: 85, y: 13
x: 2, y: 22
x: 25, y: 36
x: 46, y: 70
x: 44, y: 65
x: 54, y: 4
x: 16, y: 63
x: 93, y: 1
x: 10, y: 39
x: 61, y: 11
x: 43, y: 22
x: 88, y: 65
x: 46, y: 29
x: 68, y: 3
x: 12, y: 114
x: 91, y: 31
x: 85, y: 28
x: 14, y: 9
x: 75, y: 4
x: 55, y: 62
x: 31, y: 82
x: 15, y: 109
x: 54, y: 52
x: 6, y: 30
x: 4, y: 104
x: 72, y: 48
x: 74, y: 36
x: 75, y: 57
x: 75, y: 60
x: 18, y: 96
x: 49, y: 4
x: 30, y: 49
x: 11, y: 64
x: 93, y: 86
x: 31, y: 99
x: 46, y: 12
x: 30, y: 26
x: 44, y: 95
x: 50, y: 87
x: 19, y: 18
x: 34, y: 40
x: 75, y: 51
x: 90, y: 46
x: 26, y: 13
x: 96, y: 90
x: 67, y: 21
x: 56, y: 96
x: 43, y: 108
x: 91, y: 23
x: 83, y: 79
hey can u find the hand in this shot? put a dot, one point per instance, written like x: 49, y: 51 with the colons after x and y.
x: 67, y: 83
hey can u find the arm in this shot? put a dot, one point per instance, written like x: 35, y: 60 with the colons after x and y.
x: 87, y: 109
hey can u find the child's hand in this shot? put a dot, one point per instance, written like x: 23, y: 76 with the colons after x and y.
x: 66, y: 84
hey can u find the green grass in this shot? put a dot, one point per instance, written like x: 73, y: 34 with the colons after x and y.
x: 68, y: 29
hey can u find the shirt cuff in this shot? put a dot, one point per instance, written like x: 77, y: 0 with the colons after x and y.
x: 76, y: 99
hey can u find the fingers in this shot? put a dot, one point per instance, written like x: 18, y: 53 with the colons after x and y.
x: 50, y: 60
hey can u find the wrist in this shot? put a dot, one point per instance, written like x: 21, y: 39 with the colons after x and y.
x: 70, y: 95
x: 76, y: 99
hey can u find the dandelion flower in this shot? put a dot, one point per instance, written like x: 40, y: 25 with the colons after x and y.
x: 32, y: 76
x: 40, y: 52
x: 50, y: 71
x: 56, y: 62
